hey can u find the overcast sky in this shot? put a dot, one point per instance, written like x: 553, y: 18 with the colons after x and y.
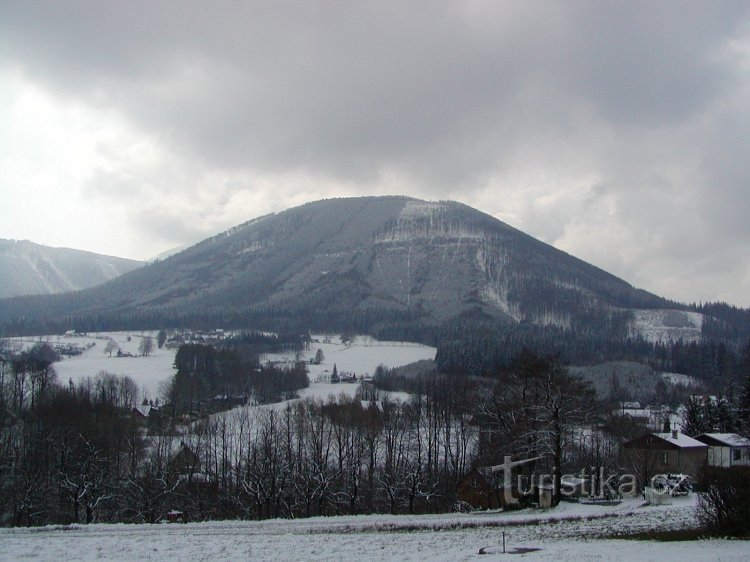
x: 616, y: 131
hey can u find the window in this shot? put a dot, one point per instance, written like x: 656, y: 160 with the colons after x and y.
x: 736, y: 454
x: 665, y: 458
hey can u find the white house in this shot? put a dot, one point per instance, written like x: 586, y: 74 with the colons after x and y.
x: 726, y: 449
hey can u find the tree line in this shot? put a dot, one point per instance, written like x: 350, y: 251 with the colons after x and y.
x: 209, y: 377
x: 479, y: 350
x: 78, y: 453
x: 66, y: 451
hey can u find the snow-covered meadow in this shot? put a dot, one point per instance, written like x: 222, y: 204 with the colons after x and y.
x: 147, y: 372
x: 570, y: 532
x: 361, y: 357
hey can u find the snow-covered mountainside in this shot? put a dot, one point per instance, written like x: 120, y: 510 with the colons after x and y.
x: 667, y: 325
x: 30, y: 269
x: 360, y: 262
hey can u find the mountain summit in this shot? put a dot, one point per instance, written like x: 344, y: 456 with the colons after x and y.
x: 354, y: 262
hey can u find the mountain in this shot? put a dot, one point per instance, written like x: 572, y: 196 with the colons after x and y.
x: 29, y: 269
x: 354, y: 263
x: 168, y: 253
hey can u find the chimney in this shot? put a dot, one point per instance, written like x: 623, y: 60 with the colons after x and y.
x: 675, y: 433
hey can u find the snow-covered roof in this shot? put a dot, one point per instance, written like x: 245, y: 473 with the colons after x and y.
x: 680, y: 440
x: 635, y: 412
x: 143, y: 409
x: 674, y: 439
x: 727, y: 439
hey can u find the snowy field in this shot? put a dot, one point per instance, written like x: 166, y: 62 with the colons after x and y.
x: 362, y: 357
x: 147, y: 372
x: 570, y: 532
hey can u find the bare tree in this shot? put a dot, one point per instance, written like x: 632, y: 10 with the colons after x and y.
x: 128, y: 392
x: 146, y: 346
x: 111, y: 346
x: 534, y: 411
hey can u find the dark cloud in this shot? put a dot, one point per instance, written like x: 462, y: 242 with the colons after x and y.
x: 626, y: 116
x: 651, y: 64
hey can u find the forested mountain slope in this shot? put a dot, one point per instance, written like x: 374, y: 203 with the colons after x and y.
x: 355, y: 263
x: 31, y: 269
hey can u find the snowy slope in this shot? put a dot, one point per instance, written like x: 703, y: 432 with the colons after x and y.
x: 27, y: 268
x: 568, y: 533
x: 667, y: 325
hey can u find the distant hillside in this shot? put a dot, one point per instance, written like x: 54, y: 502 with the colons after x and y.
x: 31, y: 269
x: 360, y: 264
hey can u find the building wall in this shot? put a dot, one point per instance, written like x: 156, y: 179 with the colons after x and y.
x: 744, y: 457
x: 648, y: 460
x: 725, y: 456
x: 691, y: 460
x: 719, y: 456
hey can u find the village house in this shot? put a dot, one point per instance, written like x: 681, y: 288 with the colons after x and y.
x: 150, y: 411
x: 662, y: 453
x: 652, y: 417
x: 479, y: 490
x: 185, y: 461
x: 726, y: 449
x: 142, y: 410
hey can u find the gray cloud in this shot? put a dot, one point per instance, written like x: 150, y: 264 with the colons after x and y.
x: 586, y: 122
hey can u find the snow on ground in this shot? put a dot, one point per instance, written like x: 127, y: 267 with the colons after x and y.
x: 667, y: 325
x: 678, y: 378
x: 147, y: 372
x: 570, y: 532
x: 362, y: 357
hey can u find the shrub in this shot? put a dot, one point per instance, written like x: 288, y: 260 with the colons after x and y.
x: 724, y: 500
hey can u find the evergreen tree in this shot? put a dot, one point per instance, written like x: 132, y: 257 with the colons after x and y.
x: 694, y: 418
x: 743, y: 404
x: 335, y: 375
x: 711, y: 420
x: 725, y: 416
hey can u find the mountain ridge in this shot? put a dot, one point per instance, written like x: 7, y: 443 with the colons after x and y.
x: 27, y: 268
x: 360, y: 260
